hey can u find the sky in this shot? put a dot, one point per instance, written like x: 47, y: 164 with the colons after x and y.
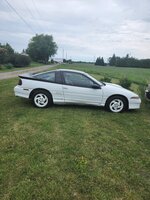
x: 82, y: 29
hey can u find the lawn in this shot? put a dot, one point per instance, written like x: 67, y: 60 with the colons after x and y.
x: 73, y: 152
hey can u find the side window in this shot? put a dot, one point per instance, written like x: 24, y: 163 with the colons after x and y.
x: 76, y: 79
x: 49, y: 76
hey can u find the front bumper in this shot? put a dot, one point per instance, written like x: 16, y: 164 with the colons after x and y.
x: 134, y: 103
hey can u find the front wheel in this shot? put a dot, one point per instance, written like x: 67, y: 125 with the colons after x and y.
x: 41, y: 99
x: 116, y: 104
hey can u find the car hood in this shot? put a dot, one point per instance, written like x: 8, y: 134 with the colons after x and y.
x: 112, y: 84
x: 112, y: 89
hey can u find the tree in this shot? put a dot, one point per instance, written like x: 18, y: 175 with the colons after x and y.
x: 100, y: 61
x: 6, y: 52
x: 112, y: 60
x: 41, y: 47
x: 3, y: 55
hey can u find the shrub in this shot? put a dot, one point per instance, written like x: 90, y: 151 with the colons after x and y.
x: 8, y: 66
x: 19, y: 60
x: 124, y: 82
x: 141, y: 91
x: 106, y: 79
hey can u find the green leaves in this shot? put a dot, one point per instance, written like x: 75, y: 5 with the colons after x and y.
x: 41, y: 47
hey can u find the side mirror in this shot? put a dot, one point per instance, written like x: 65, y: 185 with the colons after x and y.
x: 96, y: 86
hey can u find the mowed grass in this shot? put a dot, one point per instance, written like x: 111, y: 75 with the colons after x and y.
x: 136, y: 75
x: 72, y: 152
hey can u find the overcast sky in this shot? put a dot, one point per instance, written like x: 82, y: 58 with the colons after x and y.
x: 85, y: 29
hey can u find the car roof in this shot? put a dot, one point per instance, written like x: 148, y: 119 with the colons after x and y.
x: 71, y: 70
x: 65, y: 70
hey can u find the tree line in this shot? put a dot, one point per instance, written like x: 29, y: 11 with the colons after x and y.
x: 126, y: 61
x: 42, y: 47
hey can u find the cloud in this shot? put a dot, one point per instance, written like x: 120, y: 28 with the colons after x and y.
x: 83, y: 28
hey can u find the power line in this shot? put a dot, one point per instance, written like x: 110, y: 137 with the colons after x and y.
x: 37, y: 11
x: 32, y: 15
x: 29, y: 10
x: 19, y: 16
x: 35, y: 7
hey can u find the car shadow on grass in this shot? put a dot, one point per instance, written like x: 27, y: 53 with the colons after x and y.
x: 28, y: 104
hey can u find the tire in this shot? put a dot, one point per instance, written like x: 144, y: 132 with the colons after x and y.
x: 116, y: 104
x: 42, y: 99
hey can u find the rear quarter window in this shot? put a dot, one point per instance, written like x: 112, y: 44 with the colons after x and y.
x: 49, y: 76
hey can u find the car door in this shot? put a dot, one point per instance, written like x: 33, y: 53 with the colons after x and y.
x: 78, y: 88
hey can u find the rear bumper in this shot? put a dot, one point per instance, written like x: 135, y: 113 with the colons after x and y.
x: 21, y: 92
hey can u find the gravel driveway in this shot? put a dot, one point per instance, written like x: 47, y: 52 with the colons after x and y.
x: 13, y: 74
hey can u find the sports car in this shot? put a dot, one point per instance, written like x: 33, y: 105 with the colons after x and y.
x: 63, y: 86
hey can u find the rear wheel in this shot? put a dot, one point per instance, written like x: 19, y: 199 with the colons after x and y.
x: 116, y: 104
x: 41, y: 99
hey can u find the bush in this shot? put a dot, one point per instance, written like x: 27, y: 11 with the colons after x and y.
x: 8, y: 66
x: 19, y: 60
x: 124, y: 82
x: 106, y: 79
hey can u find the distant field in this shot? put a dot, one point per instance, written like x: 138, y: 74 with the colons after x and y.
x: 141, y: 76
x: 74, y: 152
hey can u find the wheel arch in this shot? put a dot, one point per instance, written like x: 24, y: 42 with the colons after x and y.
x: 39, y: 89
x: 118, y: 95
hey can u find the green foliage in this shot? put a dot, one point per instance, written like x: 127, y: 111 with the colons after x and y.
x: 41, y: 47
x: 9, y: 59
x: 67, y: 61
x: 106, y: 79
x: 8, y: 66
x: 100, y: 61
x: 19, y: 60
x: 128, y: 62
x: 6, y: 52
x: 112, y: 60
x: 141, y: 91
x: 124, y: 82
x: 145, y: 63
x: 3, y: 55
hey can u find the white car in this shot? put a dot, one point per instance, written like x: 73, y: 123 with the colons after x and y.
x: 63, y: 86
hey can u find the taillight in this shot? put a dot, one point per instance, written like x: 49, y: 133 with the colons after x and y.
x: 20, y: 82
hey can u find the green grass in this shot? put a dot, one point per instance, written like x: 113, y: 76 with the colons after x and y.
x: 136, y: 75
x: 72, y: 152
x: 33, y: 64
